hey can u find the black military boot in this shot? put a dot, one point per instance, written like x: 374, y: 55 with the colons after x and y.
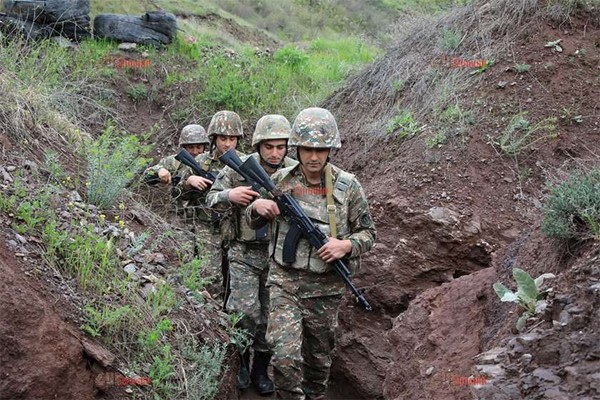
x: 243, y: 379
x: 260, y: 379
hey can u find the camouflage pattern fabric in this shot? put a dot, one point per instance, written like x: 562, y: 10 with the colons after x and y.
x: 315, y: 127
x: 225, y: 123
x: 249, y: 294
x: 175, y: 168
x: 197, y: 210
x: 248, y: 257
x: 304, y: 295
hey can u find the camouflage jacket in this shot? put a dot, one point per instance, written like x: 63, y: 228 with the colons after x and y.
x: 209, y: 163
x: 169, y: 163
x: 218, y: 200
x: 353, y: 221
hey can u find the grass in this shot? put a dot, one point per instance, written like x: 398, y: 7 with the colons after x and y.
x: 520, y: 134
x: 572, y: 210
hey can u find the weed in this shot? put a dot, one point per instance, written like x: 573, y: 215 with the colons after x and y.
x: 437, y: 141
x: 450, y: 39
x: 53, y: 166
x: 162, y: 300
x: 529, y: 294
x: 149, y: 339
x: 190, y: 274
x: 106, y: 320
x: 405, y: 123
x: 137, y: 92
x: 239, y: 337
x: 520, y: 135
x: 522, y: 68
x: 162, y: 371
x: 112, y: 164
x: 568, y: 116
x: 207, y: 360
x: 572, y: 210
x: 292, y: 57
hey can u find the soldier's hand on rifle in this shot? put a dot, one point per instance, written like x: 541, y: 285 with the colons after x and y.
x: 266, y: 208
x: 334, y: 249
x: 164, y: 175
x: 242, y: 195
x: 197, y: 182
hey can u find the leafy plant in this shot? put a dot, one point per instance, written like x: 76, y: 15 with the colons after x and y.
x: 137, y: 92
x: 520, y: 134
x: 450, y: 39
x: 112, y: 164
x: 404, y: 122
x: 572, y: 210
x: 528, y: 295
x: 437, y: 141
x: 522, y: 68
x: 207, y: 360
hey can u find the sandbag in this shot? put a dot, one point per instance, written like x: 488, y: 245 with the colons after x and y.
x: 152, y: 28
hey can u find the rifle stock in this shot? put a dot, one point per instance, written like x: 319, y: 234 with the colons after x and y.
x: 300, y: 224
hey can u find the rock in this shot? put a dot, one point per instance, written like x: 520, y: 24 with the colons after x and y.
x: 130, y: 269
x: 75, y: 197
x: 429, y: 371
x: 443, y: 215
x: 501, y: 84
x: 491, y: 371
x: 20, y: 238
x: 546, y: 375
x: 146, y: 289
x: 10, y: 168
x: 98, y: 352
x: 63, y: 42
x: 127, y: 46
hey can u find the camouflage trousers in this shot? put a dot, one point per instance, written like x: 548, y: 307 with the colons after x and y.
x: 249, y: 295
x: 301, y: 335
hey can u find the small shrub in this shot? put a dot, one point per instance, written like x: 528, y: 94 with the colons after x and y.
x: 291, y: 56
x: 137, y: 92
x: 529, y: 295
x: 450, y: 39
x: 112, y: 164
x: 437, y: 141
x: 520, y: 134
x: 208, y: 360
x: 404, y: 122
x: 572, y: 211
x: 522, y: 68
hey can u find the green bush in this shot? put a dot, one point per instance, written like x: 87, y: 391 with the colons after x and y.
x: 572, y: 210
x: 112, y: 164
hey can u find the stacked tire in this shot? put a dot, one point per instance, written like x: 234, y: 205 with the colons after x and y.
x: 44, y: 18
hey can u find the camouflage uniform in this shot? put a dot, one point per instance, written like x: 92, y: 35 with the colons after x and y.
x: 190, y: 134
x: 248, y: 257
x: 304, y: 296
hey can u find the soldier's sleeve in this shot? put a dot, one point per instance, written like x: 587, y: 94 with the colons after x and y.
x: 254, y: 220
x: 218, y: 196
x: 361, y: 224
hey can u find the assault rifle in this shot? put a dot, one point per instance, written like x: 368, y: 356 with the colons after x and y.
x: 186, y: 158
x: 300, y: 224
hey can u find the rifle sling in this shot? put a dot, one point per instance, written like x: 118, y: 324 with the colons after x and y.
x: 330, y: 202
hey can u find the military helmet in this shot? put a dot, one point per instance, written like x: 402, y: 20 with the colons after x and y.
x: 193, y: 134
x: 226, y: 123
x: 315, y: 127
x: 271, y: 127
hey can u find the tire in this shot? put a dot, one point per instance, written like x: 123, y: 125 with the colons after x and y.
x: 47, y: 11
x: 155, y: 28
x: 76, y: 28
x: 12, y: 26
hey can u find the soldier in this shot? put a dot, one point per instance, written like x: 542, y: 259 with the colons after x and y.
x: 305, y: 295
x: 248, y: 251
x: 224, y: 130
x: 193, y: 138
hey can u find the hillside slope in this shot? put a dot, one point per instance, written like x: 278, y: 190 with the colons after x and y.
x: 457, y: 190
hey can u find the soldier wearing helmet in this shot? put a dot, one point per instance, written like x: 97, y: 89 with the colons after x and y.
x: 224, y: 131
x: 193, y: 138
x: 248, y: 253
x: 305, y: 295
